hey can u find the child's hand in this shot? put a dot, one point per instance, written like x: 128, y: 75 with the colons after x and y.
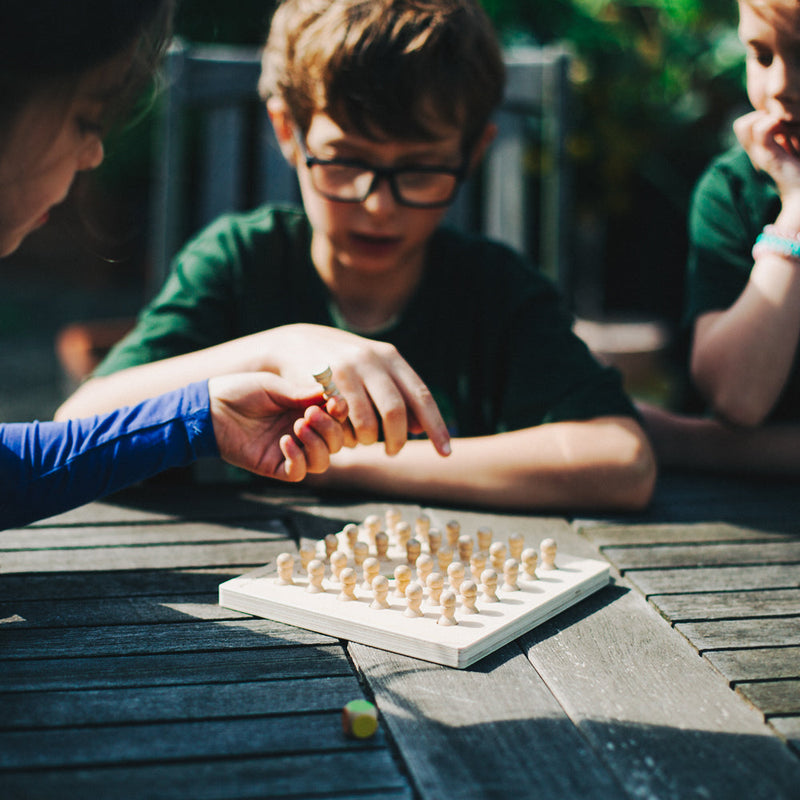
x: 773, y: 146
x: 385, y: 396
x: 265, y: 425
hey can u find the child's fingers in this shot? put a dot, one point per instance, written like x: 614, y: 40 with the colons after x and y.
x: 294, y: 468
x: 315, y: 448
x: 329, y: 429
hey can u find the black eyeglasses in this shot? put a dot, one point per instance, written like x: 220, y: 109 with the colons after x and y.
x: 352, y: 181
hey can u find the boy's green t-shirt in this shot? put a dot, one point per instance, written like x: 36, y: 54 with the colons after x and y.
x: 731, y: 205
x: 484, y: 330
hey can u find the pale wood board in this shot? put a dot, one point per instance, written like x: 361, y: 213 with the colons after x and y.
x: 460, y: 645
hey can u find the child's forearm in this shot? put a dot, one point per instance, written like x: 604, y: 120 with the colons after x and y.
x: 741, y: 357
x: 603, y: 463
x: 692, y: 442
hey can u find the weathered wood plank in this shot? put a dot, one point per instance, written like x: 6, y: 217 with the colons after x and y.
x: 146, y: 610
x: 476, y: 733
x: 757, y: 663
x: 152, y: 503
x: 773, y: 697
x: 118, y: 640
x: 265, y: 529
x: 664, y: 721
x: 727, y: 634
x: 221, y: 666
x: 684, y: 533
x: 789, y: 728
x: 239, y: 554
x: 714, y: 579
x: 368, y: 774
x: 169, y: 741
x: 62, y: 709
x: 704, y: 555
x: 728, y: 605
x: 66, y: 586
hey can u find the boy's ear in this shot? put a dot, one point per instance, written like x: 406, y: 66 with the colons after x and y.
x: 284, y: 127
x: 486, y: 138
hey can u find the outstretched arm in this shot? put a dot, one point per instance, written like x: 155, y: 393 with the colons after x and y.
x: 384, y: 394
x: 601, y: 463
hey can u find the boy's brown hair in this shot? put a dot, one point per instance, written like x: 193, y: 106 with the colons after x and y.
x: 385, y: 68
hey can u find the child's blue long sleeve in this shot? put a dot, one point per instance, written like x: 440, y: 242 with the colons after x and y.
x: 49, y: 467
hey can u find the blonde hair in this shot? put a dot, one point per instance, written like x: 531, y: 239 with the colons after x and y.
x: 397, y: 68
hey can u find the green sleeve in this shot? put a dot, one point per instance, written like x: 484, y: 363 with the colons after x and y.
x: 730, y: 206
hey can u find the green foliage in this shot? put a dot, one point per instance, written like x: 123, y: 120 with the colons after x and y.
x: 654, y: 85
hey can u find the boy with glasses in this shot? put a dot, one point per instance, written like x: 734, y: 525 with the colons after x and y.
x: 382, y: 107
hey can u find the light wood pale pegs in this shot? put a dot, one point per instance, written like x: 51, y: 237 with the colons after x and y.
x: 484, y: 536
x: 465, y: 548
x: 316, y: 575
x: 392, y: 518
x: 424, y: 565
x: 414, y: 595
x: 380, y: 590
x: 530, y: 560
x: 382, y: 545
x: 307, y: 554
x: 359, y: 719
x: 510, y: 575
x: 285, y: 562
x: 448, y: 604
x: 469, y: 597
x: 497, y: 554
x: 452, y: 530
x: 402, y: 577
x: 372, y: 568
x: 402, y: 532
x: 413, y: 550
x: 434, y: 541
x: 477, y: 564
x: 455, y: 574
x: 489, y: 586
x: 548, y: 550
x: 351, y: 534
x: 331, y: 544
x: 325, y: 379
x: 435, y: 584
x: 348, y: 581
x: 372, y: 524
x: 516, y: 544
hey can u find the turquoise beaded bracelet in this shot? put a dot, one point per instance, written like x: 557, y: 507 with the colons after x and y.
x: 770, y: 240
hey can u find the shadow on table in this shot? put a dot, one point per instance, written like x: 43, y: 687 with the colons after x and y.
x: 769, y: 504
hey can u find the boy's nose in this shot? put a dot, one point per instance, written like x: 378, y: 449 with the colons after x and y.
x: 381, y: 198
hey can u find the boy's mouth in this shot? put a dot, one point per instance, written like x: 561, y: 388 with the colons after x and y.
x: 374, y: 241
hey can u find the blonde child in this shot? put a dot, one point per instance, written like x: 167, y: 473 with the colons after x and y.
x: 743, y: 301
x: 383, y: 107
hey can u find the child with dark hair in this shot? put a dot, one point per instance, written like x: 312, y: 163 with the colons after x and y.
x: 64, y: 67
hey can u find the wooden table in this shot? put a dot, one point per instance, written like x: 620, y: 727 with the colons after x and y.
x: 122, y: 677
